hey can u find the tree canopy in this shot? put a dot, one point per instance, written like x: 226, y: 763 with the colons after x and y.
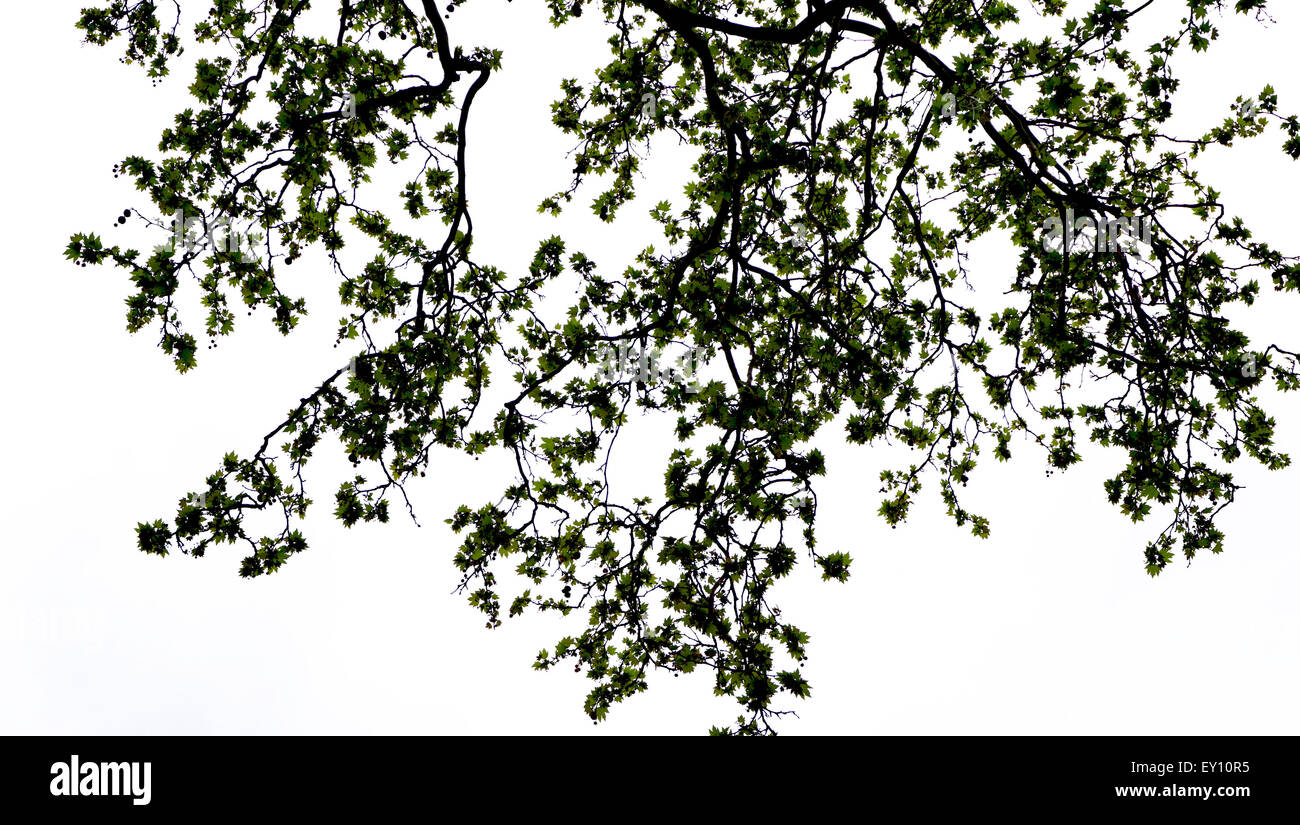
x: 848, y: 154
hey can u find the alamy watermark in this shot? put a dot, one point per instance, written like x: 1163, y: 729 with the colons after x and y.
x: 1104, y: 234
x: 1250, y: 369
x: 802, y: 234
x: 650, y: 107
x: 194, y: 233
x: 76, y: 778
x: 949, y: 104
x: 623, y: 362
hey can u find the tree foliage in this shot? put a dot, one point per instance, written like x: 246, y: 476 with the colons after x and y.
x: 849, y: 153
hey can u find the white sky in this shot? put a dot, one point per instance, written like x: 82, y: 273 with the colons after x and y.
x: 1051, y: 626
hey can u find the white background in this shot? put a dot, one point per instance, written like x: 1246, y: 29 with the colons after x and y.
x: 1050, y: 626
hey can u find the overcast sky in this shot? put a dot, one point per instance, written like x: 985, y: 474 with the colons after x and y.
x: 1050, y: 626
